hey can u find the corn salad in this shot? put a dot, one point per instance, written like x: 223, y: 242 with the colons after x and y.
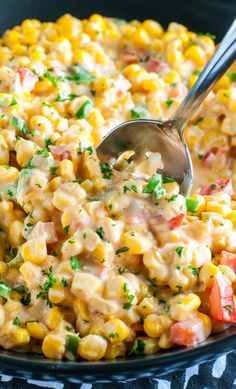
x: 102, y: 260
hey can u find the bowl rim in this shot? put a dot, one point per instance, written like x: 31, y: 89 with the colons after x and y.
x: 177, y: 357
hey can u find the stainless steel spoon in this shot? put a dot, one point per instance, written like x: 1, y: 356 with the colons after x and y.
x: 166, y: 137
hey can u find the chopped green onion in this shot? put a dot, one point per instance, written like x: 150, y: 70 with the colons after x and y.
x: 84, y: 110
x: 5, y: 290
x: 72, y: 343
x: 139, y: 111
x: 192, y: 205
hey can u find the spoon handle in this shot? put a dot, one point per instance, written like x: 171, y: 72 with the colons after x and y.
x: 214, y: 69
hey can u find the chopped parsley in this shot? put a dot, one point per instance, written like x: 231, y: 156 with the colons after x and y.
x: 113, y: 335
x: 44, y: 153
x: 121, y: 270
x: 195, y: 270
x: 47, y: 142
x: 75, y: 264
x: 179, y: 287
x: 16, y: 321
x: 122, y: 250
x: 213, y: 186
x: 172, y: 198
x: 78, y: 180
x: 179, y: 250
x: 10, y: 193
x: 47, y: 104
x: 138, y: 347
x: 169, y: 103
x: 125, y: 287
x: 100, y: 231
x: 66, y: 229
x: 232, y: 77
x: 229, y: 308
x: 13, y: 102
x: 109, y: 207
x: 64, y: 282
x: 53, y: 169
x: 128, y: 305
x: 139, y: 111
x: 106, y: 170
x: 89, y: 150
x: 46, y: 286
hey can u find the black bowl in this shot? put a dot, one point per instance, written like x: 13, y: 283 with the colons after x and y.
x: 213, y: 16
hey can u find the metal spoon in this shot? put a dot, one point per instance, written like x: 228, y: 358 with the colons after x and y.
x: 143, y: 135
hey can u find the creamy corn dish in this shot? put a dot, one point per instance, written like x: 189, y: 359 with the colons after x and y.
x: 107, y: 259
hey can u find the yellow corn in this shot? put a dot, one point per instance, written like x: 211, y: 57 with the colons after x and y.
x: 184, y: 306
x: 21, y: 337
x: 53, y: 318
x: 115, y: 350
x: 115, y: 330
x: 155, y: 325
x: 92, y: 347
x: 35, y: 250
x: 207, y: 274
x: 53, y: 346
x: 196, y: 54
x: 37, y: 330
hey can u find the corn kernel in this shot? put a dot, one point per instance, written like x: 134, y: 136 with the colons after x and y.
x: 21, y: 337
x: 53, y: 318
x: 140, y: 38
x: 156, y: 325
x: 182, y: 307
x: 196, y: 54
x: 53, y: 346
x: 35, y: 250
x: 92, y: 347
x: 153, y: 28
x: 36, y: 330
x: 207, y: 274
x: 115, y: 330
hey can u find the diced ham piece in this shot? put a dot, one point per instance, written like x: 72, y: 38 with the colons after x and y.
x: 131, y: 55
x: 45, y: 230
x: 228, y: 259
x: 176, y: 221
x: 60, y: 152
x: 27, y: 78
x: 222, y: 306
x: 224, y: 185
x: 179, y: 90
x: 188, y: 332
x: 156, y: 66
x: 208, y: 159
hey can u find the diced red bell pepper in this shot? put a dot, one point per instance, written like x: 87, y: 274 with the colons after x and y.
x: 187, y: 332
x: 222, y: 306
x: 176, y: 221
x: 228, y: 259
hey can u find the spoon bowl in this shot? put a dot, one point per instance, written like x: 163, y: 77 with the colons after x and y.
x: 143, y: 135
